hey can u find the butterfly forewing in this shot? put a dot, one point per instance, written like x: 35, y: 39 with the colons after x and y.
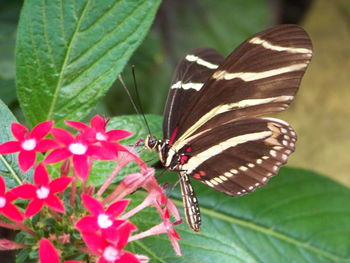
x: 190, y: 75
x: 261, y: 76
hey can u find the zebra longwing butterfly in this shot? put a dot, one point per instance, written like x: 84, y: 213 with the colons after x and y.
x: 212, y: 127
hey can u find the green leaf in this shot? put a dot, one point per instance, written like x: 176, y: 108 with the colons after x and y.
x: 299, y: 216
x: 9, y: 167
x: 102, y: 169
x: 69, y: 53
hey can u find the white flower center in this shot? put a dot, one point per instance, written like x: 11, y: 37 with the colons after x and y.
x: 77, y: 148
x: 101, y: 137
x: 42, y: 192
x: 2, y: 201
x: 104, y: 221
x: 110, y: 254
x: 29, y: 144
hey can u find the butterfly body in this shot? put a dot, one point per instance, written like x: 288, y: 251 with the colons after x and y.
x: 213, y: 130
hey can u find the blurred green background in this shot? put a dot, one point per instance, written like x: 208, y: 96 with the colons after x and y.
x: 321, y: 111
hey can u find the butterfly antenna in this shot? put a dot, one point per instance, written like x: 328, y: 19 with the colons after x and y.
x: 138, y: 99
x: 133, y: 103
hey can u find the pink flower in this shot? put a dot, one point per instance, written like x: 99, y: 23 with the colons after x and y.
x: 155, y: 195
x: 111, y: 252
x: 98, y: 128
x: 48, y: 253
x: 6, y: 208
x: 97, y: 133
x: 165, y: 227
x: 28, y: 143
x: 81, y: 148
x: 103, y: 220
x: 43, y: 192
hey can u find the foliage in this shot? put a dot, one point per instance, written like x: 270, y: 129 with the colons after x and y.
x: 68, y: 54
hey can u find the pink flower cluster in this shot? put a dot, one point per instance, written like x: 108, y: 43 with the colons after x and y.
x: 105, y: 228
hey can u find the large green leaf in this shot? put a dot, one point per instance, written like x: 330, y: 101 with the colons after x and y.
x: 9, y: 168
x: 70, y: 52
x: 299, y: 216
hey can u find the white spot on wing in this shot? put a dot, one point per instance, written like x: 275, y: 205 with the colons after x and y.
x: 227, y: 174
x: 214, y: 182
x: 243, y: 168
x: 273, y: 153
x: 218, y: 180
x: 266, y: 44
x: 209, y: 183
x: 234, y: 171
x: 223, y: 178
x: 202, y: 62
x: 251, y: 76
x: 187, y: 86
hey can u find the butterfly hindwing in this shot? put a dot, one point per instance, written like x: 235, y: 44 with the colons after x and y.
x: 238, y: 157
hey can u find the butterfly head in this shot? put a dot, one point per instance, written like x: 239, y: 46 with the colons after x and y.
x: 151, y: 142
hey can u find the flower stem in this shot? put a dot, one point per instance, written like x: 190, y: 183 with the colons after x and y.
x: 137, y: 209
x: 73, y: 191
x: 12, y: 172
x: 17, y: 226
x: 116, y: 170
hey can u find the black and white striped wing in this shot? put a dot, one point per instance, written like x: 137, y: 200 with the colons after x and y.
x: 223, y: 141
x: 261, y: 76
x: 240, y: 156
x: 190, y: 75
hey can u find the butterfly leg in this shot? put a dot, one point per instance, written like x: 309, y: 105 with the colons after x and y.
x: 190, y: 202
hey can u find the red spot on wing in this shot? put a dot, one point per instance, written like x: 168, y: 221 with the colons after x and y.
x: 173, y: 136
x: 197, y: 176
x: 188, y: 149
x: 184, y: 159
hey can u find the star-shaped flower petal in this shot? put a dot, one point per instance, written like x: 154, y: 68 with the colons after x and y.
x: 28, y: 143
x: 6, y: 207
x: 80, y: 148
x: 103, y: 220
x: 98, y: 128
x: 110, y: 252
x: 48, y: 253
x: 42, y: 192
x: 97, y: 131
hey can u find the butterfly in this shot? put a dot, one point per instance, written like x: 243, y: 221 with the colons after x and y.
x: 212, y: 127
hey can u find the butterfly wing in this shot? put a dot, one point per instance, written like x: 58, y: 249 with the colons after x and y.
x: 261, y: 76
x: 239, y: 156
x: 190, y: 75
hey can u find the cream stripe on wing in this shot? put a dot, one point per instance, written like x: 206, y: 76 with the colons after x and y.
x: 266, y: 44
x: 186, y: 86
x: 186, y: 137
x: 251, y: 76
x: 199, y: 61
x: 198, y: 159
